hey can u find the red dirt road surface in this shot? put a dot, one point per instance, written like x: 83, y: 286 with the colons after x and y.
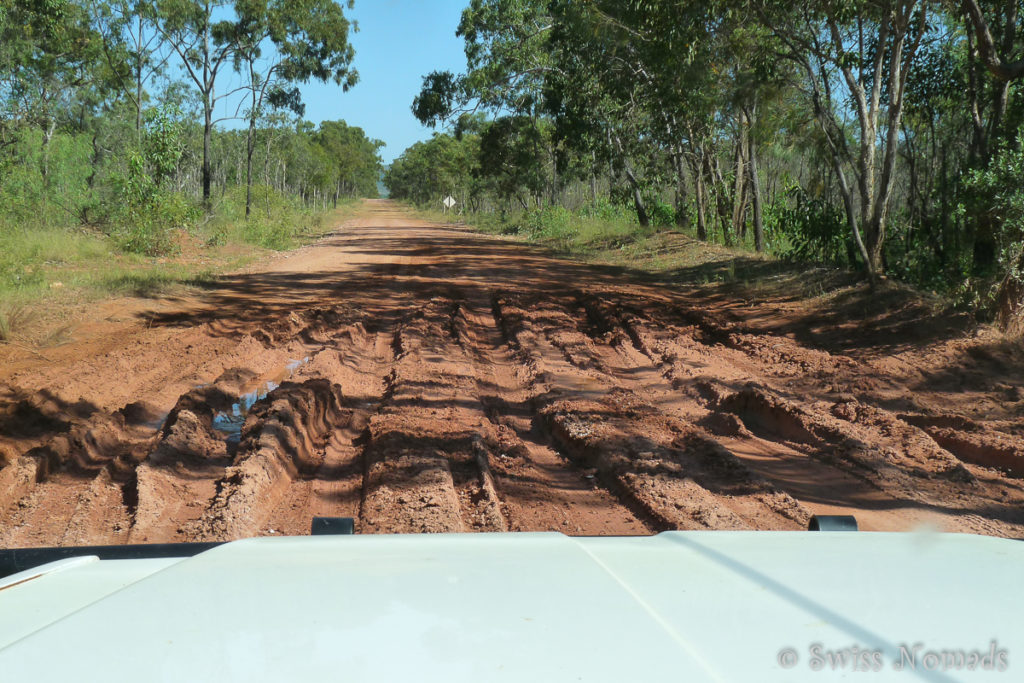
x: 422, y: 378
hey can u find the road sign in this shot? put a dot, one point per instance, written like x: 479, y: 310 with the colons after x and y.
x: 448, y: 202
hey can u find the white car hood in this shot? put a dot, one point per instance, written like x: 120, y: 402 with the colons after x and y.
x: 678, y: 606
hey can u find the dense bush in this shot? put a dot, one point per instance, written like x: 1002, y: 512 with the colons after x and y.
x: 808, y: 229
x: 276, y: 221
x: 148, y: 212
x: 661, y: 214
x: 604, y: 210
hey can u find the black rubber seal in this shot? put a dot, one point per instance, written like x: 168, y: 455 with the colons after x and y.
x: 19, y: 559
x: 832, y: 523
x: 332, y: 526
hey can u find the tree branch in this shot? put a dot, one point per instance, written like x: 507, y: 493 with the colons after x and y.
x: 987, y: 47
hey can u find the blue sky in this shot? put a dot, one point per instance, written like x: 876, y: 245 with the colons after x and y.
x: 399, y: 41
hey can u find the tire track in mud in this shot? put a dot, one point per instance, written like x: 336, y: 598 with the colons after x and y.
x: 422, y: 450
x: 297, y: 455
x: 77, y: 479
x: 862, y: 457
x: 660, y: 466
x: 359, y: 363
x: 537, y: 484
x: 69, y: 485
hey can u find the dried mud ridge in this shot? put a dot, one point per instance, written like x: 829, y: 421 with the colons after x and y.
x: 498, y: 408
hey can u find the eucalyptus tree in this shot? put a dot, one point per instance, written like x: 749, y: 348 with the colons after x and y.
x: 611, y: 97
x: 1001, y: 55
x: 48, y: 52
x: 996, y: 48
x: 133, y: 48
x: 203, y: 34
x: 354, y: 156
x: 429, y: 170
x: 509, y: 61
x: 281, y: 43
x: 996, y: 45
x: 858, y: 54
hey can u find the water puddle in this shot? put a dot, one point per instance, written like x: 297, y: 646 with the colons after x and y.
x: 230, y: 422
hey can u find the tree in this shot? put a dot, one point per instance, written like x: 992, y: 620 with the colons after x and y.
x: 308, y: 39
x: 429, y: 170
x: 48, y: 51
x: 131, y: 47
x: 205, y: 44
x: 828, y: 42
x: 354, y: 157
x: 996, y: 57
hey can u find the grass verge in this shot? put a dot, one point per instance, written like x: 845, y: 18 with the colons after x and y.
x: 51, y: 277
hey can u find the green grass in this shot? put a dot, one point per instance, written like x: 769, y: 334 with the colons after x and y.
x: 275, y: 222
x: 27, y: 255
x: 573, y: 232
x: 48, y: 275
x: 150, y: 282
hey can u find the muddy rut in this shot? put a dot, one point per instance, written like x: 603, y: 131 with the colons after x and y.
x: 421, y: 378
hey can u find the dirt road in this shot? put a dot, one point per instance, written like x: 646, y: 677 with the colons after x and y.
x: 424, y: 378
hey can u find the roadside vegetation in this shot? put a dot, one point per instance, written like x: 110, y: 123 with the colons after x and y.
x: 882, y: 138
x: 117, y: 174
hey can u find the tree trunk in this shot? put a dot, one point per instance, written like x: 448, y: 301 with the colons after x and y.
x: 207, y: 143
x: 44, y: 167
x: 1010, y: 303
x: 208, y: 86
x: 702, y: 225
x: 755, y: 183
x: 638, y: 200
x: 250, y: 146
x: 94, y: 165
x: 714, y: 170
x: 739, y: 195
x: 138, y: 86
x: 554, y: 177
x: 682, y: 212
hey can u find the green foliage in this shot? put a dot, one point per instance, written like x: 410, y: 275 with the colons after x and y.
x: 590, y: 227
x: 276, y: 222
x: 150, y: 213
x: 998, y: 191
x: 163, y: 142
x: 437, y: 98
x: 510, y: 157
x: 428, y: 171
x: 148, y: 227
x: 808, y: 229
x: 661, y: 214
x: 604, y: 210
x: 553, y: 222
x: 353, y: 158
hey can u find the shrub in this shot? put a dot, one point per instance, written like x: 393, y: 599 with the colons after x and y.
x: 147, y: 225
x: 607, y: 211
x: 274, y: 222
x: 661, y: 214
x: 808, y: 229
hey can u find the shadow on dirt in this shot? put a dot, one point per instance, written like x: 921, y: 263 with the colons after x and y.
x: 390, y: 276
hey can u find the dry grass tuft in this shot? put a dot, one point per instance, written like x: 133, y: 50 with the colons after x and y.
x: 13, y: 319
